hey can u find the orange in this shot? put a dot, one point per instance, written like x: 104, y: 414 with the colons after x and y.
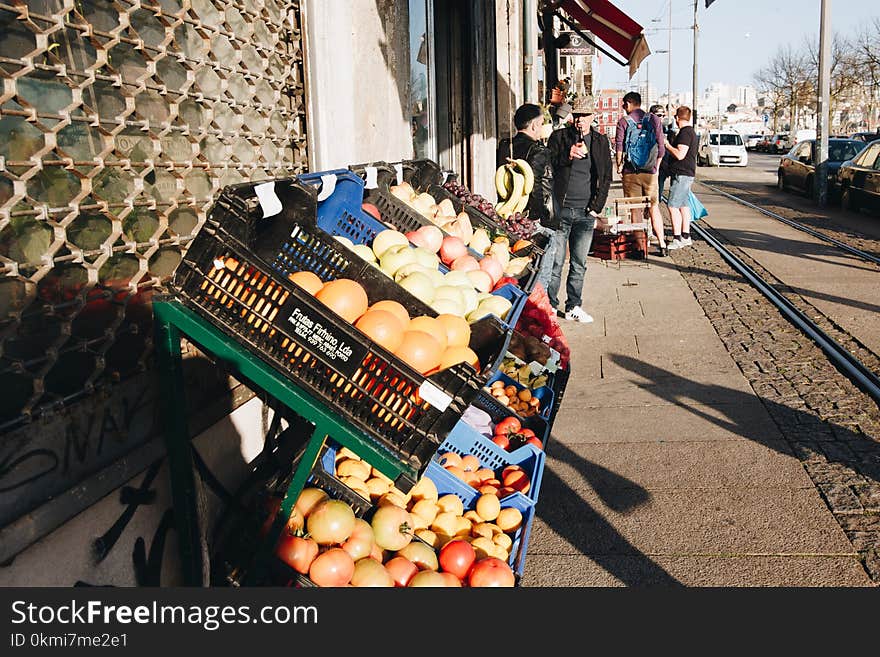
x: 458, y: 331
x: 307, y: 281
x: 419, y: 350
x: 432, y: 327
x: 395, y: 309
x: 455, y: 355
x: 382, y: 327
x: 345, y: 297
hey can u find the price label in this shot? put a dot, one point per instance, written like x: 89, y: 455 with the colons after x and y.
x: 269, y: 200
x: 434, y: 396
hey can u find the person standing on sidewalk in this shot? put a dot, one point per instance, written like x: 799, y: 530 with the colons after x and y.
x: 682, y: 170
x: 581, y: 159
x: 635, y: 181
x: 527, y: 145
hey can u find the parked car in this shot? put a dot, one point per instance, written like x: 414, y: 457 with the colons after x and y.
x: 866, y: 137
x: 777, y: 143
x: 793, y: 139
x: 859, y: 180
x: 752, y: 142
x: 797, y: 169
x: 720, y: 148
x: 764, y: 144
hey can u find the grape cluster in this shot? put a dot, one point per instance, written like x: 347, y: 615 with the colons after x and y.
x: 517, y: 225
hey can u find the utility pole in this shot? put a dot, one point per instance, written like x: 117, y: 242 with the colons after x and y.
x: 696, y: 77
x: 823, y: 104
x: 669, y: 69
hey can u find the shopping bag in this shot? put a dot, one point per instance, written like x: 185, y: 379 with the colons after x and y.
x: 698, y: 210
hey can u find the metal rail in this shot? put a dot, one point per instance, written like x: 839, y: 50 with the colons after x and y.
x: 842, y: 359
x: 864, y: 255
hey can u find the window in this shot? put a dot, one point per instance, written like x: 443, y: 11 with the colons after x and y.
x: 419, y: 109
x: 801, y: 150
x: 870, y: 155
x: 713, y: 139
x: 842, y: 151
x: 731, y: 140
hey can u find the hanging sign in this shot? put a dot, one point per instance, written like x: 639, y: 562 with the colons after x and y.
x: 577, y: 46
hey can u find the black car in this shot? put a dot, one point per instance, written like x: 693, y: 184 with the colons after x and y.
x: 859, y: 180
x: 797, y: 169
x: 866, y: 137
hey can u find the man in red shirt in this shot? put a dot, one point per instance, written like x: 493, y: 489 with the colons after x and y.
x: 637, y: 183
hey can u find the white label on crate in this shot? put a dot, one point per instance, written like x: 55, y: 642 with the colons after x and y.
x: 399, y: 169
x: 370, y: 182
x: 269, y: 200
x: 434, y: 396
x: 328, y: 184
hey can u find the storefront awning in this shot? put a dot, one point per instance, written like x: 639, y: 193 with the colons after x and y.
x: 612, y: 26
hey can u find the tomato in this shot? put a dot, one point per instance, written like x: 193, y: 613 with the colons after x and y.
x: 402, y: 570
x: 421, y: 554
x: 392, y: 527
x: 308, y: 499
x: 332, y: 568
x: 371, y: 573
x: 526, y: 433
x: 501, y: 440
x: 296, y: 551
x: 508, y: 425
x: 427, y: 578
x: 371, y: 209
x: 360, y: 543
x: 534, y: 440
x: 331, y: 522
x: 491, y: 571
x: 457, y: 557
x: 451, y: 580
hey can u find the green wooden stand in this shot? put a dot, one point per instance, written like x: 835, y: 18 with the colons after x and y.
x: 173, y: 320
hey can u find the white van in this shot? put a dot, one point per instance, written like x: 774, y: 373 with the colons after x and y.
x: 722, y: 148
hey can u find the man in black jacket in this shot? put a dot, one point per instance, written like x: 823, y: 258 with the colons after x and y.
x: 581, y: 160
x: 527, y: 145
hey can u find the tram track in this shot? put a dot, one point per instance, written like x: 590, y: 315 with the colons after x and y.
x: 821, y: 235
x: 864, y: 376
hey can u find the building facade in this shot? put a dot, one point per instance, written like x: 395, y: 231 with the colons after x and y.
x: 609, y: 111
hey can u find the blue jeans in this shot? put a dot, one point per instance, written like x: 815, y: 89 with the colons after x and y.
x: 546, y: 269
x: 576, y: 229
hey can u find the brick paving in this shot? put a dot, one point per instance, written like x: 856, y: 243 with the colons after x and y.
x: 830, y: 425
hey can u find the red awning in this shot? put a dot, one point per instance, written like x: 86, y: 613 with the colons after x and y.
x: 612, y: 26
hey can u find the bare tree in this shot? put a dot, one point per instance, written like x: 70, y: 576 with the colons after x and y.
x: 867, y: 62
x: 786, y: 79
x: 846, y: 80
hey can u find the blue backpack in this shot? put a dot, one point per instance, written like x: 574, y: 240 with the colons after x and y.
x: 640, y: 144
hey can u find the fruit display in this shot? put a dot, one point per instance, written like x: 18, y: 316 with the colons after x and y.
x: 423, y: 538
x: 539, y: 319
x: 523, y: 373
x: 499, y: 484
x: 466, y: 290
x: 513, y: 183
x: 457, y: 235
x: 519, y: 400
x: 516, y: 224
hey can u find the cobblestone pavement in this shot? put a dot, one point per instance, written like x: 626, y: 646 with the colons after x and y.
x: 832, y: 427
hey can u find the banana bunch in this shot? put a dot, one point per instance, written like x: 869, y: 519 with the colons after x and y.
x: 513, y: 182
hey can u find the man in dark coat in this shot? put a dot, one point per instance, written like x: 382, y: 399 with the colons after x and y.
x: 527, y: 145
x: 581, y: 160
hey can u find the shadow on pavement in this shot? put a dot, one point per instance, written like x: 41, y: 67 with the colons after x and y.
x: 813, y: 440
x: 584, y: 528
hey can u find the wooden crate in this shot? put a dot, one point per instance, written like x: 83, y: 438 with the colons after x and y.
x: 629, y: 245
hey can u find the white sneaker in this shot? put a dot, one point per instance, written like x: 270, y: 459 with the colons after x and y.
x: 577, y: 314
x: 675, y: 244
x: 687, y: 242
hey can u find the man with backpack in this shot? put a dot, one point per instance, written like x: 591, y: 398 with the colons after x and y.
x: 639, y: 144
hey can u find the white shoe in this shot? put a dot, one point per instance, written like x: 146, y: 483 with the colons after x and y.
x: 577, y: 314
x: 687, y: 242
x: 675, y: 244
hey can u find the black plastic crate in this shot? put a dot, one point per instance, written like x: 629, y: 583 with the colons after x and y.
x: 235, y: 275
x: 560, y: 383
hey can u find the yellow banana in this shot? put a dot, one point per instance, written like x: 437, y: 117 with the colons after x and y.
x: 526, y: 170
x: 503, y: 182
x: 523, y: 201
x: 519, y: 181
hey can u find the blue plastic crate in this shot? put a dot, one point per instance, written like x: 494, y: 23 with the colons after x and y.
x: 486, y: 402
x: 464, y: 439
x: 447, y: 483
x: 544, y: 394
x: 341, y: 212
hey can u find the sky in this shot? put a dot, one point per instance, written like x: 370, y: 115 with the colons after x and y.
x: 737, y: 37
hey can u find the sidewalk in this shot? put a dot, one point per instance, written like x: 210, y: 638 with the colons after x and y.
x: 664, y: 467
